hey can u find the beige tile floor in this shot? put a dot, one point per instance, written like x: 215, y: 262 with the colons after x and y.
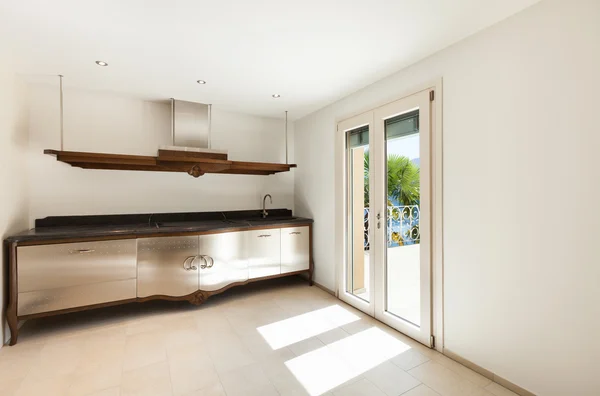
x: 275, y: 338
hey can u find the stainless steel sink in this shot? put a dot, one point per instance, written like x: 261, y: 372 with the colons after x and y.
x: 183, y: 225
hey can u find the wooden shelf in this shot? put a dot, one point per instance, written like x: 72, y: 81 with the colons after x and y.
x: 195, y: 165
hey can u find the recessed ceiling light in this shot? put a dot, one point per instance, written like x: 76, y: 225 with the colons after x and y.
x: 101, y: 63
x: 202, y: 82
x: 276, y: 96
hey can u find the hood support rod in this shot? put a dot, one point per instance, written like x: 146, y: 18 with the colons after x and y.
x: 62, y: 132
x: 286, y: 138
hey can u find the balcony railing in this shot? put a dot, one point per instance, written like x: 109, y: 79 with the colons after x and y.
x: 402, y: 226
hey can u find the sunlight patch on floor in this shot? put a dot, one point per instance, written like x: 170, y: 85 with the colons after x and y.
x: 323, y: 369
x: 302, y: 327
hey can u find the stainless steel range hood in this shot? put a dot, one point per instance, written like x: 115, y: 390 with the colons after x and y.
x: 190, y: 127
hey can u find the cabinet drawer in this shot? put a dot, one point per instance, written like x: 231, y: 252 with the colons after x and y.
x: 73, y: 264
x: 264, y: 257
x: 75, y: 296
x: 295, y: 248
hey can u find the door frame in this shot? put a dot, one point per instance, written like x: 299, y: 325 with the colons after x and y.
x: 437, y: 256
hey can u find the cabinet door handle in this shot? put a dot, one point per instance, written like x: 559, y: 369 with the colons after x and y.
x: 192, y: 266
x: 185, y: 262
x: 212, y: 261
x: 205, y: 265
x: 81, y: 251
x: 295, y: 233
x: 264, y: 235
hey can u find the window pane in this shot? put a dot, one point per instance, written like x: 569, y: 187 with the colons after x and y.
x: 359, y: 242
x: 402, y: 217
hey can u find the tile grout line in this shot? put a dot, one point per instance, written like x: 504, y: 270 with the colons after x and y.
x: 460, y: 375
x: 454, y: 372
x: 425, y: 385
x: 420, y: 364
x: 416, y: 386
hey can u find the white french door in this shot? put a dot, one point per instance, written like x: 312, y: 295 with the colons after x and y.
x: 387, y: 263
x: 402, y: 203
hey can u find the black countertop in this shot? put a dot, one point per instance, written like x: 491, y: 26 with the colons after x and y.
x: 140, y: 225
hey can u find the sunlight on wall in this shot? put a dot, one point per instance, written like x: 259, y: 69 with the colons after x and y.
x: 325, y: 368
x: 302, y: 327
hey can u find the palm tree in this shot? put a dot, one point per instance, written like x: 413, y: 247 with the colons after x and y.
x: 403, y: 179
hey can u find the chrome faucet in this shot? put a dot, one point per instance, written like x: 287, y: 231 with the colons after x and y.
x: 264, y: 211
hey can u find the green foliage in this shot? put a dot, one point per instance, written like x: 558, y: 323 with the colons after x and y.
x: 403, y: 179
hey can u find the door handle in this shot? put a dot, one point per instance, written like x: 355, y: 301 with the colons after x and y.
x: 82, y: 251
x: 212, y: 261
x: 295, y: 233
x: 185, y: 262
x: 264, y: 235
x: 192, y: 266
x: 205, y: 265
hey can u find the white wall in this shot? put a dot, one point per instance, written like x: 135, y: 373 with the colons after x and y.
x: 13, y: 170
x: 103, y: 122
x: 521, y: 193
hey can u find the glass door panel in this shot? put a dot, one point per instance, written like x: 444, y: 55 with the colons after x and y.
x: 402, y: 217
x: 402, y: 196
x: 357, y: 277
x: 358, y: 214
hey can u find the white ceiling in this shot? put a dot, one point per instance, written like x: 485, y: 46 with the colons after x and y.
x: 312, y: 52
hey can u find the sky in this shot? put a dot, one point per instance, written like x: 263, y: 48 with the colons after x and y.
x: 407, y: 146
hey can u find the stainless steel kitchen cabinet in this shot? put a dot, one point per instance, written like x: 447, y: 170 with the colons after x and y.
x: 56, y: 276
x: 223, y: 257
x: 61, y: 276
x: 264, y: 252
x: 295, y: 244
x: 166, y: 266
